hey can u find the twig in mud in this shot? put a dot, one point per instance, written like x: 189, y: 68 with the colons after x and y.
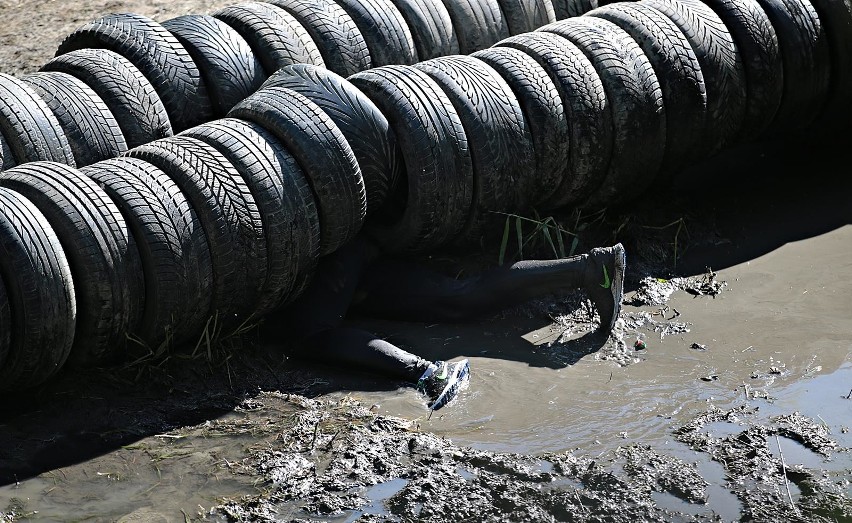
x: 784, y: 472
x: 314, y: 439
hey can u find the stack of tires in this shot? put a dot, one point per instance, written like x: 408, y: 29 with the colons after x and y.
x: 153, y: 238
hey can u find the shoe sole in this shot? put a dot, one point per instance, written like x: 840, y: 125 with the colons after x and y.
x: 618, y: 289
x: 459, y: 378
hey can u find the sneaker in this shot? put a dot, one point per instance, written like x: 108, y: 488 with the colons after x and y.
x: 442, y: 382
x: 604, y: 283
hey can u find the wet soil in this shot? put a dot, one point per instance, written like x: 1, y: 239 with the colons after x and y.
x: 736, y: 405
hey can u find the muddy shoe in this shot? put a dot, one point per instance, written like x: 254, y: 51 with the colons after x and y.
x: 604, y: 283
x: 442, y: 383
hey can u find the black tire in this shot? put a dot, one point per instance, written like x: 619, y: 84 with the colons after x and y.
x: 523, y: 16
x: 636, y: 102
x: 570, y: 8
x: 129, y: 95
x: 836, y: 15
x: 364, y: 126
x: 721, y: 66
x: 227, y: 64
x: 478, y: 24
x: 41, y: 311
x: 90, y: 127
x: 435, y: 196
x: 229, y: 215
x: 29, y: 128
x: 276, y: 37
x: 172, y: 246
x: 323, y: 154
x: 259, y: 165
x: 806, y: 54
x: 760, y: 50
x: 498, y: 137
x: 5, y: 323
x: 384, y: 30
x: 431, y: 27
x: 340, y: 42
x: 155, y: 52
x: 102, y: 254
x: 543, y: 110
x: 584, y: 99
x: 679, y: 74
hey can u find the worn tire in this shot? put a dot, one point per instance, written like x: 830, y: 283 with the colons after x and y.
x: 431, y: 27
x: 91, y: 129
x: 39, y: 315
x: 172, y: 246
x: 323, y: 154
x: 384, y: 29
x: 227, y: 64
x: 128, y: 94
x: 229, y: 215
x: 836, y: 15
x: 584, y: 99
x: 364, y: 126
x: 524, y: 16
x: 30, y: 130
x: 678, y: 71
x: 763, y: 69
x: 721, y: 66
x: 570, y: 8
x: 806, y: 54
x: 155, y: 52
x: 340, y: 42
x: 435, y: 197
x: 478, y: 24
x: 543, y: 110
x: 276, y: 38
x: 636, y: 102
x: 498, y: 136
x: 102, y: 254
x: 261, y: 169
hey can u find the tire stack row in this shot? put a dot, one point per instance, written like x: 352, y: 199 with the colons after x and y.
x: 124, y: 80
x: 225, y: 221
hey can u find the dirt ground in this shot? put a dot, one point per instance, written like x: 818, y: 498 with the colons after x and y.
x: 738, y: 408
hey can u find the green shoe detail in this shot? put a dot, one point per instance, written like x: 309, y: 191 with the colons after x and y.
x: 607, y: 283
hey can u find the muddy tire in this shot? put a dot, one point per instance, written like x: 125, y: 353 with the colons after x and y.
x: 836, y: 15
x: 339, y: 40
x: 323, y: 154
x: 364, y: 126
x: 636, y: 102
x: 155, y: 52
x: 91, y: 129
x: 172, y: 247
x: 30, y: 130
x: 256, y: 161
x: 806, y: 55
x: 101, y: 252
x: 498, y: 137
x: 431, y: 27
x: 478, y: 24
x: 229, y: 215
x: 523, y: 16
x: 435, y: 197
x: 721, y: 65
x: 571, y: 8
x: 543, y: 111
x: 128, y: 94
x: 40, y: 311
x: 384, y: 30
x: 763, y: 69
x: 678, y: 71
x: 226, y: 62
x: 276, y: 38
x: 584, y: 99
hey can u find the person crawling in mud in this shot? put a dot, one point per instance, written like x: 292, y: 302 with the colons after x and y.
x: 357, y: 278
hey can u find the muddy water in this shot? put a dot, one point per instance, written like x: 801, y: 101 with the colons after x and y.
x: 783, y: 327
